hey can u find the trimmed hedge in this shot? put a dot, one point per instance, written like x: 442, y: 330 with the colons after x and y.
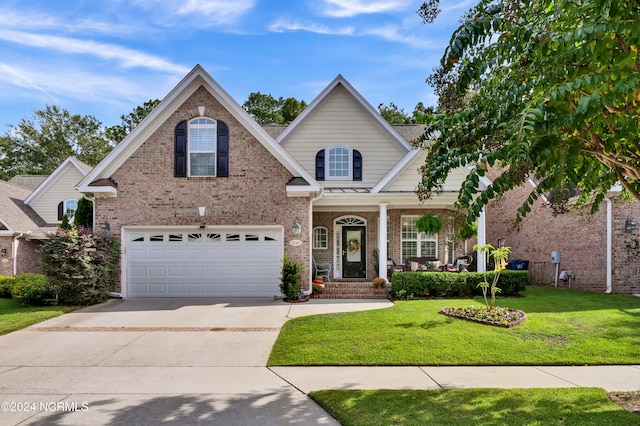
x: 31, y: 289
x: 6, y: 284
x: 408, y: 285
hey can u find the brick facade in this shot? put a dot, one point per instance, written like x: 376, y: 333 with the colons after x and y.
x: 6, y: 261
x: 579, y: 236
x: 254, y: 193
x: 28, y: 256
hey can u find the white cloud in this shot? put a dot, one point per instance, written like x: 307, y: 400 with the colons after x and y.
x: 349, y: 8
x: 284, y: 25
x: 199, y: 13
x: 127, y: 58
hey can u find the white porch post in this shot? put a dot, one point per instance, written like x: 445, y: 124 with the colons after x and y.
x: 482, y: 240
x: 382, y: 241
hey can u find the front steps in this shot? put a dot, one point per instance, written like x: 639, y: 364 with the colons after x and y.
x: 352, y: 290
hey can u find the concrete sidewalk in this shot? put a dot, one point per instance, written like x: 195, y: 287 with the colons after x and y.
x: 203, y: 362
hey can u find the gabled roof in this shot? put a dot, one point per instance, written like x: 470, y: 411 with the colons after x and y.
x: 362, y: 103
x: 197, y: 78
x: 15, y: 215
x: 82, y: 167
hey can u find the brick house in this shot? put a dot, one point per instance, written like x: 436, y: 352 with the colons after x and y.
x: 206, y: 202
x: 30, y: 208
x: 596, y: 251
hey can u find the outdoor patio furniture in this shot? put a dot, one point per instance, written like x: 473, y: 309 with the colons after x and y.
x: 322, y: 270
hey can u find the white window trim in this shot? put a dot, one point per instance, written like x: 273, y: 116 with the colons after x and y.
x: 419, y: 239
x: 316, y: 245
x: 215, y: 144
x: 65, y: 208
x: 327, y: 168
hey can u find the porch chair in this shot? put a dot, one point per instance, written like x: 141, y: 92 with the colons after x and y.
x: 322, y: 270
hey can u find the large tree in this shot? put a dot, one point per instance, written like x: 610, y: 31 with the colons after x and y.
x: 115, y: 134
x: 267, y: 110
x: 552, y: 90
x: 37, y: 145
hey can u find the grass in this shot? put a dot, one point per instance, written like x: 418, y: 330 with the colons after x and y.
x: 563, y: 327
x: 14, y: 316
x: 571, y: 406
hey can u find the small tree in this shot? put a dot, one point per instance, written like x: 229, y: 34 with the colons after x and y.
x: 65, y: 222
x: 500, y: 257
x: 290, y: 278
x: 84, y: 214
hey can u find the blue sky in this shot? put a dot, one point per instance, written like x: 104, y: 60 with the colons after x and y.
x: 106, y: 57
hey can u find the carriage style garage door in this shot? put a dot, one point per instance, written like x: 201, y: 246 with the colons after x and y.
x: 210, y: 263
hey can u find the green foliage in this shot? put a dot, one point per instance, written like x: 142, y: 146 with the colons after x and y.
x: 81, y: 267
x: 394, y: 115
x: 550, y: 91
x: 84, y: 214
x: 500, y: 257
x: 115, y: 134
x: 37, y: 145
x: 65, y: 222
x: 290, y: 279
x: 6, y: 284
x: 267, y: 110
x: 407, y: 285
x: 31, y: 289
x: 429, y: 224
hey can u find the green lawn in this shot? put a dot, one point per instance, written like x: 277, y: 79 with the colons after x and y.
x: 571, y: 406
x: 563, y: 327
x: 14, y: 316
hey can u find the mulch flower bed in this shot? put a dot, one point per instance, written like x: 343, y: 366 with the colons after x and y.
x: 498, y: 316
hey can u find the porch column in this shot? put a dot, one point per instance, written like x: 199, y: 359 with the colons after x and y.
x: 482, y: 240
x: 382, y: 241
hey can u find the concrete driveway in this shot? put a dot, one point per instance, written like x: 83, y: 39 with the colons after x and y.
x: 169, y: 361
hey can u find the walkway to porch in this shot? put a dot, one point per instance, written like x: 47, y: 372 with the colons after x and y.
x: 352, y: 289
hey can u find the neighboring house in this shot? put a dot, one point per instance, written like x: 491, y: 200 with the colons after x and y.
x: 207, y: 202
x: 32, y: 207
x: 599, y: 252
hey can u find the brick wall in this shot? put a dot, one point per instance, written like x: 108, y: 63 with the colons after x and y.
x: 253, y: 194
x: 28, y: 256
x: 6, y: 262
x: 579, y: 236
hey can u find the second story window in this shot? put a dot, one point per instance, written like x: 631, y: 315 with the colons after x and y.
x: 338, y: 163
x: 202, y: 147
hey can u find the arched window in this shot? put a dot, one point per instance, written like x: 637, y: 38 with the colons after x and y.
x: 320, y: 237
x: 339, y: 163
x: 67, y: 207
x: 201, y: 148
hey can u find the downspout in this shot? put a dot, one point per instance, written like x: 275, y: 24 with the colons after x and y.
x: 16, y: 241
x: 310, y: 227
x: 609, y: 289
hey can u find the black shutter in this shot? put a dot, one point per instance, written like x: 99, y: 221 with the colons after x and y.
x: 180, y: 150
x: 357, y: 165
x: 222, y: 152
x: 60, y: 210
x: 320, y: 165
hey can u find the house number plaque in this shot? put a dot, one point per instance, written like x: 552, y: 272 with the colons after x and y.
x: 295, y: 243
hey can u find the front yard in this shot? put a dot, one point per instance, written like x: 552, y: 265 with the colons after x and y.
x: 562, y: 328
x: 14, y: 316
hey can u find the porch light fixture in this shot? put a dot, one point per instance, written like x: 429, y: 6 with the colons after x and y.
x: 202, y: 211
x: 630, y: 226
x: 106, y: 227
x: 297, y: 228
x: 3, y: 252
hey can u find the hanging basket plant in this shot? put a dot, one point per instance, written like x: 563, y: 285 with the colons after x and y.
x: 429, y: 224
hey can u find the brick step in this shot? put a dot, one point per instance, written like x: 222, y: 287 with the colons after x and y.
x: 353, y: 290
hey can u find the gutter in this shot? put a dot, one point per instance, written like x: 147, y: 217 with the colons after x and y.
x: 607, y: 200
x: 16, y: 241
x: 310, y: 226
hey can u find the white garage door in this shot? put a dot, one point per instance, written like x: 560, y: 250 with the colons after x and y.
x: 210, y: 263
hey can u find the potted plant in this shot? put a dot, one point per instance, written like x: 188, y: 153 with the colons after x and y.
x: 379, y: 282
x: 429, y: 224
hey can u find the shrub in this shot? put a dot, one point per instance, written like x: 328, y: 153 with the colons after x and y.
x: 290, y: 279
x: 450, y: 284
x: 81, y: 268
x: 31, y: 289
x: 6, y: 283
